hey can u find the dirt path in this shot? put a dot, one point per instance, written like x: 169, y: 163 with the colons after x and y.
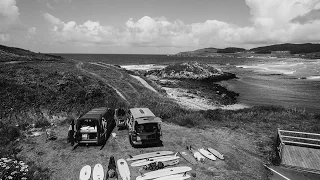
x: 79, y: 66
x: 66, y: 164
x: 144, y: 83
x: 120, y: 82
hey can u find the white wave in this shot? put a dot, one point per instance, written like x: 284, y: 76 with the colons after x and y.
x: 145, y: 67
x: 313, y: 77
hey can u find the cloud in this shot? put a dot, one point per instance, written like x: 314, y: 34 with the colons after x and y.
x: 272, y: 21
x: 12, y: 30
x: 9, y: 11
x: 311, y: 16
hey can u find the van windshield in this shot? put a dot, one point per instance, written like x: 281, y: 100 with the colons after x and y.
x: 148, y: 127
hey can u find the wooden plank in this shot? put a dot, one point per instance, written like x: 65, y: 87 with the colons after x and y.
x: 301, y: 157
x: 293, y: 137
x: 297, y: 132
x: 300, y: 143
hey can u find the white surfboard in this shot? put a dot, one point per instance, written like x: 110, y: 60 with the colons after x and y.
x: 175, y: 177
x: 207, y: 154
x: 154, y: 159
x: 85, y: 173
x: 149, y: 155
x: 164, y: 172
x: 216, y: 153
x: 123, y: 168
x: 197, y: 154
x: 98, y: 173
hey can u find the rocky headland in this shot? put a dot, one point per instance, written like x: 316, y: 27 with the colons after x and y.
x: 194, y: 80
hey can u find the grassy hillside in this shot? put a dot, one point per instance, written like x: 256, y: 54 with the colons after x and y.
x: 293, y: 48
x: 40, y: 92
x: 210, y: 51
x: 9, y: 54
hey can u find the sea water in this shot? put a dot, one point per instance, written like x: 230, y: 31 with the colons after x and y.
x: 293, y: 83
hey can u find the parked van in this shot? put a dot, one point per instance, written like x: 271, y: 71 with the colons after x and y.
x: 94, y: 127
x: 144, y: 127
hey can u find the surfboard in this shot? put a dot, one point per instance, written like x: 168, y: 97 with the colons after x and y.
x: 149, y: 155
x: 188, y: 158
x: 154, y: 159
x: 85, y: 173
x: 207, y: 154
x: 97, y: 173
x: 174, y: 177
x: 216, y: 153
x: 196, y: 154
x: 123, y: 168
x: 164, y: 172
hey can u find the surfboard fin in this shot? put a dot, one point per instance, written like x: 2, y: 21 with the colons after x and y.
x: 130, y: 156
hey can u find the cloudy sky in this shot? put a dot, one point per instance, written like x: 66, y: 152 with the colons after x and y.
x: 155, y: 26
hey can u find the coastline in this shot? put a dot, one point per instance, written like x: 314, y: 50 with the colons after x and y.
x: 184, y: 94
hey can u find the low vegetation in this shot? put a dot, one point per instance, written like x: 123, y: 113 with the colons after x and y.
x: 34, y: 92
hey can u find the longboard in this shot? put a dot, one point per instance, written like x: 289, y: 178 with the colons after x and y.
x: 207, y: 154
x: 164, y: 172
x: 175, y: 177
x: 197, y: 154
x: 149, y: 155
x: 216, y: 153
x: 85, y: 173
x: 98, y: 173
x: 163, y: 159
x: 188, y: 158
x: 123, y: 168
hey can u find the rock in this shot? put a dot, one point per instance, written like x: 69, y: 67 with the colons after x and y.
x: 192, y: 70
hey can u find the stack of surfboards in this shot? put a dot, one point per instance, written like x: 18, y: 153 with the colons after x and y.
x: 201, y: 154
x: 149, y: 155
x: 174, y: 173
x: 168, y: 160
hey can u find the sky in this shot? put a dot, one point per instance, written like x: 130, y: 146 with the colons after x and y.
x: 155, y: 26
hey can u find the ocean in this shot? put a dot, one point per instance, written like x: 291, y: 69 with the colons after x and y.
x: 293, y: 83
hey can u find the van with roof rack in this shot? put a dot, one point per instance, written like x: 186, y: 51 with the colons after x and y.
x: 94, y: 127
x: 144, y: 127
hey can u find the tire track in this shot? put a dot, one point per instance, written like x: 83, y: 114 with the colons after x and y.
x: 121, y: 80
x: 79, y: 66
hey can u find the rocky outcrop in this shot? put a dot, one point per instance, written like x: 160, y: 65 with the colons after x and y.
x: 192, y: 70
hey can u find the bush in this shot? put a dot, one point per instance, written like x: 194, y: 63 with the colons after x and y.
x: 8, y: 133
x: 41, y: 122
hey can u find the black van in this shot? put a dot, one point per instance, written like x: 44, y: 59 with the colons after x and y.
x: 94, y: 127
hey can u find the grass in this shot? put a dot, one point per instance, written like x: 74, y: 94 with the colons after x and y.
x: 32, y: 88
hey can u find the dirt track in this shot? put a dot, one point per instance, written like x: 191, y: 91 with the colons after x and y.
x: 65, y: 163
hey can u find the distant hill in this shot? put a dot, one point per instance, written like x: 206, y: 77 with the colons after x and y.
x: 210, y: 51
x: 231, y: 50
x: 293, y: 48
x: 199, y: 52
x: 307, y: 48
x: 17, y: 54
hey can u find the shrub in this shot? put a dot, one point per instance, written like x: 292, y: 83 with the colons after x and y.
x: 41, y: 122
x: 8, y: 133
